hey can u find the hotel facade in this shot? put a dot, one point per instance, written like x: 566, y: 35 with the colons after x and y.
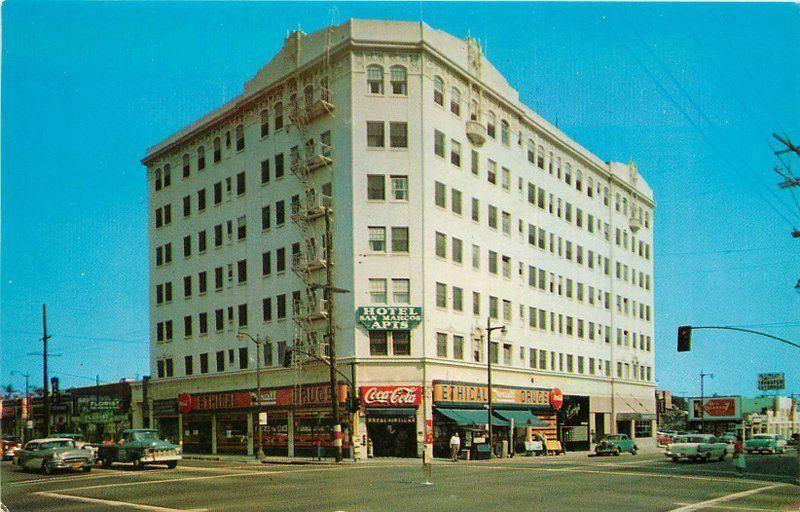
x: 445, y: 202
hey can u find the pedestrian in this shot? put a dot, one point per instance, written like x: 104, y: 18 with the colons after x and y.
x: 455, y: 447
x: 738, y: 455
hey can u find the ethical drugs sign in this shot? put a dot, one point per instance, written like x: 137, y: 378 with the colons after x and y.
x: 389, y: 318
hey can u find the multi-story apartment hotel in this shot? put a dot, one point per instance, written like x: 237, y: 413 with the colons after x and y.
x: 448, y: 202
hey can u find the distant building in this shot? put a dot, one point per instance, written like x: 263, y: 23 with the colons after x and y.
x: 772, y: 415
x: 451, y: 202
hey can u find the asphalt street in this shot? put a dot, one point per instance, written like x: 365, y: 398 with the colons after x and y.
x: 646, y: 482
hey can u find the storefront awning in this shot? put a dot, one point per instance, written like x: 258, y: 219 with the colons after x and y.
x: 521, y: 418
x: 391, y: 411
x: 472, y: 417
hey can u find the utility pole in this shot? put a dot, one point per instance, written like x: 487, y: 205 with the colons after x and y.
x: 702, y: 404
x: 489, y: 329
x: 46, y: 399
x: 337, y: 427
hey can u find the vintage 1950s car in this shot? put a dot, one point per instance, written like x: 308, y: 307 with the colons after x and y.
x: 52, y: 454
x: 141, y: 447
x: 699, y: 447
x: 616, y: 444
x: 765, y: 443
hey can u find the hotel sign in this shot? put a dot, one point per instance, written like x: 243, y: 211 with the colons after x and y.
x: 389, y: 318
x: 465, y: 393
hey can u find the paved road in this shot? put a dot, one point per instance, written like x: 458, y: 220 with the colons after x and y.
x: 617, y: 484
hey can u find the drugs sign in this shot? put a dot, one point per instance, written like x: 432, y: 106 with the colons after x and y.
x: 389, y: 318
x: 771, y: 381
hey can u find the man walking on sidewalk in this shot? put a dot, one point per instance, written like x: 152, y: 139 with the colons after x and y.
x: 455, y: 447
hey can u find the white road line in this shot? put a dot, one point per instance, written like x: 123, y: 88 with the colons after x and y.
x: 731, y: 507
x: 67, y: 478
x: 112, y: 503
x: 722, y: 499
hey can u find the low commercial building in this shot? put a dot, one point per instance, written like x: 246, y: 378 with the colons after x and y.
x: 395, y: 163
x: 772, y: 415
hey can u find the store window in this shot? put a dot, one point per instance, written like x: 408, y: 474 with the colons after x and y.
x: 643, y: 428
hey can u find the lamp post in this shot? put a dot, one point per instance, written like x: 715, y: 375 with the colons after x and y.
x: 489, y: 329
x: 702, y: 405
x: 258, y: 341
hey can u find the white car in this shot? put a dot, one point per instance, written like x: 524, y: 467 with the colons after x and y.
x: 699, y: 447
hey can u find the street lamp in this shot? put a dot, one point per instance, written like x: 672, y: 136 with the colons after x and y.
x: 240, y: 335
x: 702, y: 397
x: 489, y: 329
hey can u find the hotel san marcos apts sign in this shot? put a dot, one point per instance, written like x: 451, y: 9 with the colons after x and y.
x: 389, y: 318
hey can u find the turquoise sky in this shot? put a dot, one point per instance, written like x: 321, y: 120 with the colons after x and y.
x: 691, y: 93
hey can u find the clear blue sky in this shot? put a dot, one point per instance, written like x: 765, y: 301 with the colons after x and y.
x: 87, y: 87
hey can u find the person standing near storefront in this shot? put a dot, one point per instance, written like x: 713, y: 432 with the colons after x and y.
x: 455, y: 447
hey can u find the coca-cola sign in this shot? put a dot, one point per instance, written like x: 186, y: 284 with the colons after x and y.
x: 391, y: 396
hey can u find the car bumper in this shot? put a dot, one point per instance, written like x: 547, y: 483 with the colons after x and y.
x: 159, y: 458
x: 61, y: 464
x: 680, y: 455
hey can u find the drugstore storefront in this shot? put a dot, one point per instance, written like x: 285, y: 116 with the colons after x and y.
x: 296, y: 421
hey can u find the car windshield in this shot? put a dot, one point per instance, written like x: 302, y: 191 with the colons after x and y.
x: 57, y: 444
x: 692, y: 439
x: 762, y: 436
x: 615, y: 438
x: 146, y: 435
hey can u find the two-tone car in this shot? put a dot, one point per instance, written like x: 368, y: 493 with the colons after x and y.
x: 141, y: 447
x: 616, y: 444
x: 699, y: 447
x: 765, y: 443
x: 53, y: 454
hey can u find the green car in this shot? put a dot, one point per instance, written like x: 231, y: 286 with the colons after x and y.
x: 616, y: 444
x: 140, y: 446
x: 765, y: 443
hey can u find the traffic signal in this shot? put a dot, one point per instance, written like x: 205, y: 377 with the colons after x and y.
x: 684, y: 338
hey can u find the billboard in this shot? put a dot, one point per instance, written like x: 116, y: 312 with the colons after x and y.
x: 716, y: 408
x: 771, y: 381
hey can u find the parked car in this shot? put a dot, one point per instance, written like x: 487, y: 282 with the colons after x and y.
x: 728, y: 439
x: 53, y: 454
x: 140, y: 446
x: 80, y: 442
x: 765, y: 443
x: 9, y: 445
x: 616, y: 444
x: 665, y: 438
x: 699, y: 447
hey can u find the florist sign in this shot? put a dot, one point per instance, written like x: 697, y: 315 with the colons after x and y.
x: 389, y: 318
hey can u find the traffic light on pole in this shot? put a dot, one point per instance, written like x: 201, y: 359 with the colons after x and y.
x: 684, y: 338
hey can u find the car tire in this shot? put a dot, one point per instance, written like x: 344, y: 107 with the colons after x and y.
x: 722, y: 457
x: 87, y: 469
x: 172, y: 464
x: 47, y: 470
x: 107, y: 462
x: 617, y: 452
x: 634, y: 450
x: 675, y: 459
x: 137, y: 464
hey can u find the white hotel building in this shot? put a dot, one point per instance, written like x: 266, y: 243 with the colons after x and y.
x: 449, y: 198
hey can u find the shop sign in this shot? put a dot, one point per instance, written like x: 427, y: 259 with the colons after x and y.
x: 102, y: 404
x: 167, y: 407
x: 771, y: 381
x: 556, y: 398
x: 307, y: 395
x: 720, y: 408
x: 25, y: 408
x: 464, y: 393
x: 391, y: 396
x: 389, y: 318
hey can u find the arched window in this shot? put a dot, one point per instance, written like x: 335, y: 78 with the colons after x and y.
x: 217, y: 150
x: 504, y: 132
x: 264, y: 123
x: 491, y: 120
x: 455, y: 101
x: 398, y: 79
x: 474, y: 112
x: 278, y: 108
x: 438, y: 90
x: 308, y: 95
x: 167, y: 178
x: 201, y: 158
x: 158, y: 179
x: 186, y: 169
x: 375, y: 79
x: 239, y: 137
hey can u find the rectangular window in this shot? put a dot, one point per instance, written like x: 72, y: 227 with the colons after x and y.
x: 375, y: 134
x: 458, y: 347
x: 376, y: 187
x: 441, y: 344
x: 218, y: 192
x: 491, y: 172
x: 458, y: 299
x: 401, y: 291
x: 280, y: 257
x: 506, y: 223
x: 493, y: 307
x: 202, y: 282
x: 401, y: 343
x: 475, y: 165
x: 266, y: 263
x: 241, y: 228
x: 281, y: 305
x: 241, y: 271
x: 377, y: 291
x: 279, y: 166
x: 266, y: 309
x: 441, y: 295
x: 187, y: 326
x: 243, y: 358
x: 492, y: 262
x: 187, y: 246
x: 441, y: 245
x: 455, y: 201
x: 220, y: 361
x: 457, y: 250
x: 265, y: 171
x: 398, y: 134
x: 187, y: 286
x: 280, y: 213
x: 400, y: 188
x: 219, y: 320
x: 242, y: 315
x: 506, y: 179
x: 476, y: 303
x: 241, y: 184
x: 476, y: 209
x: 492, y: 217
x: 440, y: 195
x: 476, y: 257
x: 202, y: 323
x: 377, y: 238
x: 455, y: 153
x: 399, y: 239
x: 438, y: 143
x: 378, y: 343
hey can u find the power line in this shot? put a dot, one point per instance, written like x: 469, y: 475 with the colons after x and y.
x: 684, y: 113
x: 719, y: 251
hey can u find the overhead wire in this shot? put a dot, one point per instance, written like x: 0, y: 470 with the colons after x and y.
x: 683, y: 111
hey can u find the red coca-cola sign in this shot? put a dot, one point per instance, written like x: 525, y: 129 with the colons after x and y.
x: 556, y: 398
x: 184, y: 403
x: 391, y: 396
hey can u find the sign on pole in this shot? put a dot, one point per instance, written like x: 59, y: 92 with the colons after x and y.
x: 771, y: 381
x: 716, y: 408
